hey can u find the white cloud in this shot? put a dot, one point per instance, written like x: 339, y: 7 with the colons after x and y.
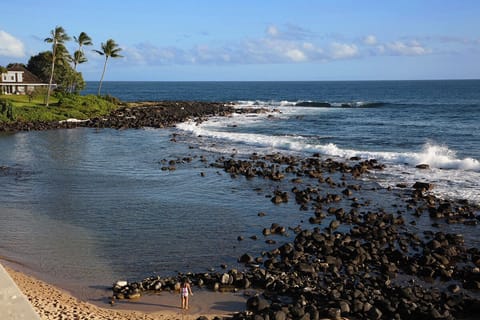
x: 10, y: 46
x: 272, y: 31
x: 296, y: 55
x: 370, y: 40
x: 343, y: 50
x: 412, y: 48
x: 146, y: 54
x: 288, y: 44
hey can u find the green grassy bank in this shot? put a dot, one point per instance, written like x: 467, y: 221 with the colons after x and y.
x: 27, y: 109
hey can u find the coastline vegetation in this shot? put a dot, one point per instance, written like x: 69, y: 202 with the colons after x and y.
x: 59, y: 52
x: 61, y: 99
x: 25, y: 108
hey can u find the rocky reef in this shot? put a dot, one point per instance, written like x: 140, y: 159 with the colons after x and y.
x: 355, y: 261
x: 158, y: 114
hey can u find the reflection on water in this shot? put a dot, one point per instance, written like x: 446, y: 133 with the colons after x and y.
x: 95, y: 206
x: 90, y: 207
x: 51, y: 246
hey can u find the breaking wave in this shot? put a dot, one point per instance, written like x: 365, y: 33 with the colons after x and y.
x: 312, y: 104
x: 356, y: 104
x: 445, y: 168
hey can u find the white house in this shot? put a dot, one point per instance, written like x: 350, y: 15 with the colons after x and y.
x: 18, y: 80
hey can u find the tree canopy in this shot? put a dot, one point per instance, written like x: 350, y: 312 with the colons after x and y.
x: 63, y: 76
x: 59, y: 68
x: 79, y: 56
x: 59, y: 52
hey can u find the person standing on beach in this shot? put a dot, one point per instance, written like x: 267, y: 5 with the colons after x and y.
x: 185, y: 290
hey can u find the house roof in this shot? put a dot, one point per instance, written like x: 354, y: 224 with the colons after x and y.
x: 28, y: 77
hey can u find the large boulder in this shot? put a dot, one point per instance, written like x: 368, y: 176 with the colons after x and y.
x: 423, y: 186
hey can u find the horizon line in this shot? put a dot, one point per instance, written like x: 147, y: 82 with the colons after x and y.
x: 376, y: 80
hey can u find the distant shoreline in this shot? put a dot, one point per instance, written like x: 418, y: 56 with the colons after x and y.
x: 156, y: 114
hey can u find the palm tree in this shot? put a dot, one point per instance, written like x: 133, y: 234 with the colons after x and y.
x: 59, y: 36
x: 79, y: 56
x: 109, y: 49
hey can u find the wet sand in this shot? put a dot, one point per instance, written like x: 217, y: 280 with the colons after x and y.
x: 51, y: 302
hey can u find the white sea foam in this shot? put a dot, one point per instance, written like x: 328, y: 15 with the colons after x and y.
x: 298, y: 104
x: 453, y: 176
x: 248, y: 139
x: 436, y: 156
x: 264, y: 104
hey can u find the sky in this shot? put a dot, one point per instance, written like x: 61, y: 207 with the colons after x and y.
x: 262, y: 40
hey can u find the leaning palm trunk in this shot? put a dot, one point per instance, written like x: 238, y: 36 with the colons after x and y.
x: 109, y: 49
x: 101, y: 79
x: 51, y: 75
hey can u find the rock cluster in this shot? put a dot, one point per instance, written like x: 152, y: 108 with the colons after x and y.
x: 149, y: 114
x: 36, y: 125
x: 354, y: 262
x: 160, y: 115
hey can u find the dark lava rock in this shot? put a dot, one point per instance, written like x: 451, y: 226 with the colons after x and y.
x: 157, y: 114
x: 422, y: 186
x: 422, y: 166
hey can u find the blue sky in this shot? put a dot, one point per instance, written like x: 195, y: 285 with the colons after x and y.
x: 257, y: 40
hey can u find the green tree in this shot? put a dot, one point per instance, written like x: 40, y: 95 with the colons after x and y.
x: 59, y: 52
x: 39, y: 65
x: 79, y: 56
x: 63, y: 75
x: 6, y: 107
x: 109, y: 49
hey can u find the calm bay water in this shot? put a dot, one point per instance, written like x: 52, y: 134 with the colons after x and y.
x: 93, y: 206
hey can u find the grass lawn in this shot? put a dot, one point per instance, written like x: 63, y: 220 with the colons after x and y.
x: 60, y: 108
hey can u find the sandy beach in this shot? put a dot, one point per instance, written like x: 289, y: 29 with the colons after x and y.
x: 51, y: 302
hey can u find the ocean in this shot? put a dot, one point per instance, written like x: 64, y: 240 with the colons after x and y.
x: 401, y: 123
x: 86, y: 207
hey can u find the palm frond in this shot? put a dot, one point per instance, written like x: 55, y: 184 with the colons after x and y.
x: 79, y: 57
x: 83, y: 40
x: 111, y: 49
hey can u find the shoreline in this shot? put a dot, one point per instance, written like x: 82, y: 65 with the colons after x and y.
x: 132, y: 115
x: 367, y: 271
x: 52, y: 302
x: 320, y: 268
